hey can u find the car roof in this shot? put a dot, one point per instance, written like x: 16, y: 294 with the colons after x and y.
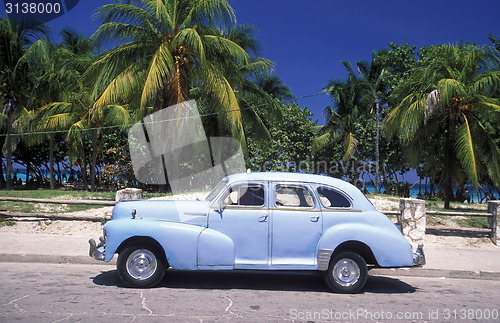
x: 290, y: 177
x: 358, y: 199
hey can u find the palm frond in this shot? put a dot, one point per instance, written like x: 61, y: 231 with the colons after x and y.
x: 161, y: 68
x: 223, y: 45
x: 321, y: 142
x: 466, y: 151
x: 127, y: 13
x: 350, y: 146
x: 128, y: 81
x: 450, y: 88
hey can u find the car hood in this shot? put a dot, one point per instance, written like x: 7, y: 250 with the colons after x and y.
x: 193, y: 212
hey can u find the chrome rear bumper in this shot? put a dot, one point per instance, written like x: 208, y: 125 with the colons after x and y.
x: 97, y: 250
x: 419, y: 256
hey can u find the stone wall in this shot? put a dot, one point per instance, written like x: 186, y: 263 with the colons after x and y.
x: 494, y: 221
x: 128, y: 194
x: 412, y: 219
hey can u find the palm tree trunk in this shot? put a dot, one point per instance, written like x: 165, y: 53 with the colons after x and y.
x: 85, y: 179
x: 59, y: 177
x: 28, y: 173
x: 8, y: 154
x: 93, y: 162
x: 51, y: 163
x: 2, y: 180
x: 451, y: 134
x: 384, y: 180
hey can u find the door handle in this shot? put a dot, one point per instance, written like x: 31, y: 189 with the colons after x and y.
x: 263, y: 218
x: 315, y: 218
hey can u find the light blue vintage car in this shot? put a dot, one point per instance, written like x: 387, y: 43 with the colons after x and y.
x: 258, y: 221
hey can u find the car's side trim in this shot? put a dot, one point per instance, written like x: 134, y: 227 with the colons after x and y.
x: 285, y: 209
x: 196, y: 213
x: 240, y: 208
x: 324, y: 256
x: 339, y: 210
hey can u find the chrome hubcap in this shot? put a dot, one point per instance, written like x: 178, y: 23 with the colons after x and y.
x: 346, y: 272
x: 141, y: 264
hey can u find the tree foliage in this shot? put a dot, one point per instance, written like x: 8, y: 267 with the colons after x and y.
x: 440, y: 109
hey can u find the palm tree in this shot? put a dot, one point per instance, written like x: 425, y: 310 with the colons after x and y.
x: 21, y: 48
x: 73, y: 108
x: 86, y: 124
x: 373, y: 75
x: 440, y: 114
x: 275, y: 87
x: 341, y: 120
x: 166, y: 47
x: 61, y: 77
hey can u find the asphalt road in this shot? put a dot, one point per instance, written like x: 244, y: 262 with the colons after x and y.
x: 93, y: 293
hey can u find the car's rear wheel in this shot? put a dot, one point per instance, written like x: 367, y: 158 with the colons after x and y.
x: 141, y: 266
x: 347, y: 273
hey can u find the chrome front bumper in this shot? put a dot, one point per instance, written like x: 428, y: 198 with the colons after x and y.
x: 97, y: 250
x: 419, y: 256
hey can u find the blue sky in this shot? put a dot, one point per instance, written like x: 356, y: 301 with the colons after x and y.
x: 308, y: 39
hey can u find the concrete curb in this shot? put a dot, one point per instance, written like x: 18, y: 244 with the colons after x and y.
x: 53, y: 259
x: 399, y: 272
x: 436, y: 273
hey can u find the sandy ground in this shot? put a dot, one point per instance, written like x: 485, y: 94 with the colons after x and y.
x: 94, y: 229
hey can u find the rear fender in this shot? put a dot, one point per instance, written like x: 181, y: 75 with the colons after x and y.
x: 389, y: 247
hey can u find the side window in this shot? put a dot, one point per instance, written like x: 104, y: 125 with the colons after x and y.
x: 333, y: 199
x: 293, y: 196
x: 245, y: 195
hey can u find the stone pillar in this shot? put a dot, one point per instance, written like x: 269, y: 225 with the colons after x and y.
x: 128, y: 194
x: 412, y: 219
x: 494, y: 221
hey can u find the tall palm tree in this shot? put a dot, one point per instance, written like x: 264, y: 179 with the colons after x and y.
x: 374, y: 79
x: 22, y: 48
x: 73, y: 108
x: 166, y: 46
x: 60, y: 78
x: 341, y: 120
x: 440, y: 108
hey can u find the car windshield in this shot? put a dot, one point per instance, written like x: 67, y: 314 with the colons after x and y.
x: 217, y: 189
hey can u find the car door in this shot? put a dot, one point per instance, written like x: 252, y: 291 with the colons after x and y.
x: 296, y: 225
x: 243, y: 216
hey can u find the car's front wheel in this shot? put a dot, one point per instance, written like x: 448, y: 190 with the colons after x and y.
x: 347, y: 273
x: 141, y: 266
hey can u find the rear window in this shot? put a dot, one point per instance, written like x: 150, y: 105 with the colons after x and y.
x: 331, y: 198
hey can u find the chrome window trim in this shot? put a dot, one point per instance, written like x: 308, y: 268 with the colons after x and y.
x: 344, y: 194
x: 305, y: 185
x: 237, y: 206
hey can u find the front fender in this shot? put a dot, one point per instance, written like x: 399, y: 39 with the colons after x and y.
x: 178, y: 240
x: 388, y: 245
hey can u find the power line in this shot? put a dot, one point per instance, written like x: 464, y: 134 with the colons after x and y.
x: 292, y: 100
